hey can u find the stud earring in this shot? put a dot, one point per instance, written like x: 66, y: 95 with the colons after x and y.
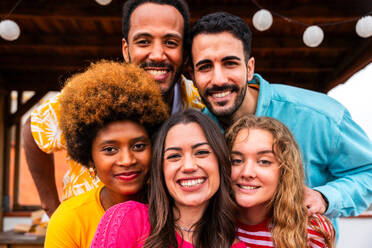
x: 92, y: 172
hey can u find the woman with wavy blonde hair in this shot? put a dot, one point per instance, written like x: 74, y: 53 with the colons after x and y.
x: 268, y: 183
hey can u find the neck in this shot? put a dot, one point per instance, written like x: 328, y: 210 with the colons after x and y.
x: 186, y: 218
x: 109, y: 198
x: 253, y: 215
x: 248, y: 106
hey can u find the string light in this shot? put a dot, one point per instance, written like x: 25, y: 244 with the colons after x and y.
x: 103, y: 2
x: 262, y: 20
x: 9, y: 30
x: 313, y: 35
x: 364, y: 27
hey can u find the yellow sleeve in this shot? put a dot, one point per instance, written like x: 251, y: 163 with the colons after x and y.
x: 45, y: 126
x: 63, y: 229
x: 190, y: 95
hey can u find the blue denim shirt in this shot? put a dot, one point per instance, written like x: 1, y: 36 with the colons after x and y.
x: 337, y: 154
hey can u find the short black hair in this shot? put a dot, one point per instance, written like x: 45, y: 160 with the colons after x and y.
x: 219, y: 22
x: 130, y: 5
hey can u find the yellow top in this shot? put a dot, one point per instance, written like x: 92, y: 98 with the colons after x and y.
x: 75, y: 221
x: 48, y: 136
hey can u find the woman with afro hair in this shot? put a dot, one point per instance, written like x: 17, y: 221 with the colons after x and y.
x: 108, y: 116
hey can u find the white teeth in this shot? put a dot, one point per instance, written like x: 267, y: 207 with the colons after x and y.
x: 191, y: 183
x: 248, y: 187
x: 157, y: 72
x: 221, y: 94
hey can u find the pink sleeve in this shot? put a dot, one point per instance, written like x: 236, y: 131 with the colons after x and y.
x: 123, y: 225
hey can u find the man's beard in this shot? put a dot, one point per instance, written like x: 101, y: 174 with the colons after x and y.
x: 229, y: 112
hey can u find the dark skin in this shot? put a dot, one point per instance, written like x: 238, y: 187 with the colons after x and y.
x: 41, y: 166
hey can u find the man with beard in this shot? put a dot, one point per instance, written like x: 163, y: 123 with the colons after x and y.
x: 153, y: 38
x: 337, y: 154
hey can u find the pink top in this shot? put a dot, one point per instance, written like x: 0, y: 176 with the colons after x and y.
x: 127, y: 225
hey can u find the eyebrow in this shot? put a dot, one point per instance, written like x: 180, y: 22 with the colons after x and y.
x: 259, y: 153
x: 148, y: 35
x: 205, y: 61
x: 232, y: 57
x: 193, y: 147
x: 134, y: 140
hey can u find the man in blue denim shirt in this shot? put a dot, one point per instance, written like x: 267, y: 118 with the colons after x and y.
x: 337, y: 154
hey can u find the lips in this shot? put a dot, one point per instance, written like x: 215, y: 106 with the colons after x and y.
x: 159, y: 71
x: 248, y: 187
x: 127, y: 176
x: 192, y: 182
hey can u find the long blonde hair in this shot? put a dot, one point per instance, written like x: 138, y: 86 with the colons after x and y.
x: 288, y: 213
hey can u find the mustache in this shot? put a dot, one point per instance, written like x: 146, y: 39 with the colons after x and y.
x: 224, y: 87
x: 156, y: 64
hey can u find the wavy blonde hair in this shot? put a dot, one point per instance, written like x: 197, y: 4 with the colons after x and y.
x: 288, y: 212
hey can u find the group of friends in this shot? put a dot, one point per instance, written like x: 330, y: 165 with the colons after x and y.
x: 224, y: 160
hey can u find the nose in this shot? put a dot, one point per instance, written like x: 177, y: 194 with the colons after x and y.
x: 126, y: 158
x: 248, y: 170
x: 157, y: 52
x: 219, y: 77
x: 189, y: 164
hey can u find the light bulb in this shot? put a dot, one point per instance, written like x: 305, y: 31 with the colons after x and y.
x: 9, y: 30
x: 103, y: 2
x: 262, y: 20
x: 313, y: 36
x: 364, y: 27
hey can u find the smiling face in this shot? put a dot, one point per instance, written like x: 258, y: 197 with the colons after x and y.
x: 255, y: 169
x: 121, y: 153
x: 220, y: 71
x: 155, y: 42
x: 190, y: 166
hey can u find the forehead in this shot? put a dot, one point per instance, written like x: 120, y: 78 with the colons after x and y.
x: 253, y: 139
x: 156, y: 18
x: 184, y: 135
x: 216, y: 46
x: 118, y: 129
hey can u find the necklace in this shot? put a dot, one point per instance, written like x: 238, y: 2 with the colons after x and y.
x: 185, y: 228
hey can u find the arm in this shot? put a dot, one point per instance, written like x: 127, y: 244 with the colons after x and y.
x: 41, y: 166
x: 64, y: 229
x: 350, y: 192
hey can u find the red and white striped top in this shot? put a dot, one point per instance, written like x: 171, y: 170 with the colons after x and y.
x: 259, y: 236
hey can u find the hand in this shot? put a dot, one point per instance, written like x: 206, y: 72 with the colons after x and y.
x: 314, y: 202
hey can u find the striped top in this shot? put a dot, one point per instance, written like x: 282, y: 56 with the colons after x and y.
x: 259, y: 236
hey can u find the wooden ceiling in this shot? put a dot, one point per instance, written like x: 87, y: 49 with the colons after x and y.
x: 59, y: 38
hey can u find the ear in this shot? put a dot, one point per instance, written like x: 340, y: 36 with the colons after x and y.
x: 125, y: 50
x: 250, y: 68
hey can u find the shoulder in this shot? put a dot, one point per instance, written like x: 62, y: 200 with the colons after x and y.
x: 78, y: 204
x: 122, y: 224
x: 302, y: 99
x: 190, y: 94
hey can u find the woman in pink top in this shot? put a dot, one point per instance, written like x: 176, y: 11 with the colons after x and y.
x: 189, y: 200
x: 268, y: 182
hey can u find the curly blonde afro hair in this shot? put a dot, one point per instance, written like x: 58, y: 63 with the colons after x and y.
x: 106, y: 92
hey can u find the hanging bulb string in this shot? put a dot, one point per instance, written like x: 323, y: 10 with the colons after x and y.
x: 11, y: 11
x: 288, y: 19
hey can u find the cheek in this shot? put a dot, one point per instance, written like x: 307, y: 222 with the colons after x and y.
x: 176, y: 56
x: 234, y: 173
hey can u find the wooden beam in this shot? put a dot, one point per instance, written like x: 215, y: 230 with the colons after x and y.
x: 356, y: 59
x: 24, y: 107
